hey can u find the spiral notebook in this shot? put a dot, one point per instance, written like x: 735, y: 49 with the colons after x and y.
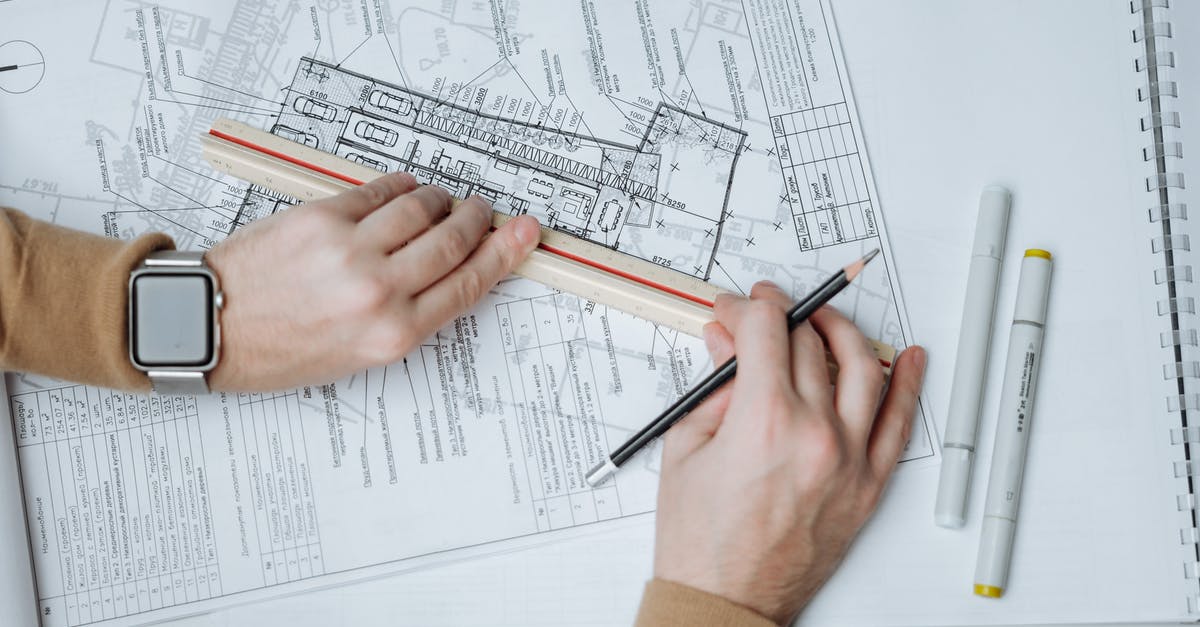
x: 1168, y: 34
x: 1078, y: 557
x: 1107, y: 107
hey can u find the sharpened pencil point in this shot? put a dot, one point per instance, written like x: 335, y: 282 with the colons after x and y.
x: 855, y: 268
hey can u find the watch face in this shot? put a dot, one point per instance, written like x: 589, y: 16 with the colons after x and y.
x: 172, y: 320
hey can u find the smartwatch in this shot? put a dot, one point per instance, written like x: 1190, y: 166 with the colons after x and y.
x: 174, y: 328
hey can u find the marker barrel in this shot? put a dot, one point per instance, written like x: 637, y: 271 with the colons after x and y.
x: 970, y: 364
x: 1013, y: 425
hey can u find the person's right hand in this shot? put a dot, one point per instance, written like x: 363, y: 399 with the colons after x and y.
x: 353, y: 281
x: 764, y: 485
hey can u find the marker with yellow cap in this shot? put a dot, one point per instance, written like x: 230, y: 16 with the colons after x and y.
x: 1012, y: 427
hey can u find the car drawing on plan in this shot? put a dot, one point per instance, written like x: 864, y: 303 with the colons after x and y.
x: 367, y: 161
x: 376, y: 133
x: 388, y: 102
x: 292, y: 134
x: 313, y: 109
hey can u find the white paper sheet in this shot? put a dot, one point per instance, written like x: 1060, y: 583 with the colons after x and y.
x: 953, y: 96
x: 718, y: 141
x: 16, y: 576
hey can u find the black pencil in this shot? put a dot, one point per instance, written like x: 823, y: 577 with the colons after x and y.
x: 686, y: 403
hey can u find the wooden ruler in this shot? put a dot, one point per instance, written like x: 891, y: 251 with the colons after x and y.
x: 562, y: 261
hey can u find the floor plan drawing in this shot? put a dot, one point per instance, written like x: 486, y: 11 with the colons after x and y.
x: 715, y: 138
x: 615, y: 194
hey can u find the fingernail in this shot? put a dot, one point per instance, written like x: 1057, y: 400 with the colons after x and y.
x: 485, y: 209
x: 527, y: 231
x: 918, y: 357
x: 709, y: 331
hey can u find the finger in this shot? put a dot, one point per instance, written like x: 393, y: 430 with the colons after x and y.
x: 810, y: 374
x: 894, y: 423
x: 438, y: 251
x: 495, y: 258
x: 357, y: 203
x: 698, y: 427
x: 405, y: 217
x: 760, y: 337
x: 719, y: 343
x: 860, y: 378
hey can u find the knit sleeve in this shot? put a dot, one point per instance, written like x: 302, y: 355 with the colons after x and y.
x: 63, y: 301
x: 669, y: 604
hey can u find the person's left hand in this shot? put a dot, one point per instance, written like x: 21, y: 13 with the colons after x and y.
x: 354, y: 281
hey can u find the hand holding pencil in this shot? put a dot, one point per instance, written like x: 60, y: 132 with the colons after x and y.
x: 771, y: 477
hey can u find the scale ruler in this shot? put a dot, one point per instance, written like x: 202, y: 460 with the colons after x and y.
x: 561, y: 261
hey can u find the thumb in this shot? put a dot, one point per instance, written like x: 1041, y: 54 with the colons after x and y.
x: 698, y: 427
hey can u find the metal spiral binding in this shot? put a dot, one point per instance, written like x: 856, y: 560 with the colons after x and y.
x: 1154, y: 33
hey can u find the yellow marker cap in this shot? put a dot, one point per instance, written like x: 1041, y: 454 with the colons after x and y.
x: 992, y: 592
x: 1037, y: 252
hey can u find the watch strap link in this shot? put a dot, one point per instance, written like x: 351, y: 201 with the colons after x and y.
x: 171, y: 383
x: 175, y: 259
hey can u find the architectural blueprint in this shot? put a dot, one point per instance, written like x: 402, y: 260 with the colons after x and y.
x: 718, y: 139
x: 620, y: 195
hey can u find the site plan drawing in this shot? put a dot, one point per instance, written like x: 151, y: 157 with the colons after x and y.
x: 718, y: 139
x: 583, y: 185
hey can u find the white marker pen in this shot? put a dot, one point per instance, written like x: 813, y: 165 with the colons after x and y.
x: 970, y: 365
x: 1012, y: 426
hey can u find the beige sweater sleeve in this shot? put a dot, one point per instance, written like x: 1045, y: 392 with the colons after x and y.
x: 669, y: 604
x: 63, y: 301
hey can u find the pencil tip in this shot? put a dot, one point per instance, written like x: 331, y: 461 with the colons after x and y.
x: 855, y: 268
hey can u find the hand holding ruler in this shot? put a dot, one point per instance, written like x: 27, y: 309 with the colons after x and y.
x: 561, y: 261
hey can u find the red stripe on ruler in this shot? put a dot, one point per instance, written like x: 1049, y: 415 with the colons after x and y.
x: 550, y: 249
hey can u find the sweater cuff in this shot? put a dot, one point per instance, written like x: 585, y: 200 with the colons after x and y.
x: 670, y: 604
x: 64, y: 301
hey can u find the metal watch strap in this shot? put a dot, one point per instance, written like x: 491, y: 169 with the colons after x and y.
x: 175, y: 382
x: 175, y: 259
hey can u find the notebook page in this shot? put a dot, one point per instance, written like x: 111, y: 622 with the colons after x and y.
x: 1043, y: 108
x: 1048, y: 116
x: 925, y: 218
x: 1185, y: 18
x: 1184, y: 49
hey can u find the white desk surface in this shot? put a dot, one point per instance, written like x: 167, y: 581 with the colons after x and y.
x: 905, y: 138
